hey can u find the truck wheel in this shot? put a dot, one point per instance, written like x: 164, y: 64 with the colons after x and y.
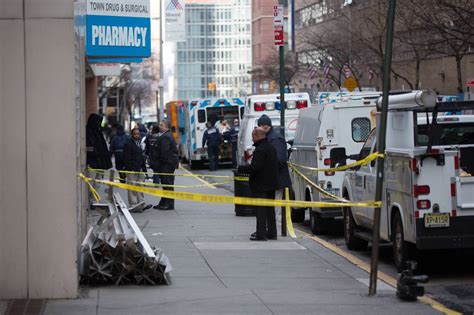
x: 316, y: 222
x: 352, y: 242
x: 297, y: 214
x: 402, y: 250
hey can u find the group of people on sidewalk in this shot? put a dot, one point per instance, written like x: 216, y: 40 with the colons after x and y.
x: 269, y: 175
x: 131, y: 154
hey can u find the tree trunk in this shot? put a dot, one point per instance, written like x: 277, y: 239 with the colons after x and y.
x: 458, y: 69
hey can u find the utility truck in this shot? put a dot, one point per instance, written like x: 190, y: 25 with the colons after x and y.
x: 428, y: 190
x: 342, y: 122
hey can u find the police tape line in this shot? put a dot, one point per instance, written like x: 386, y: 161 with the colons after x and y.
x: 362, y: 162
x: 317, y: 187
x: 198, y: 197
x: 101, y: 171
x: 175, y: 186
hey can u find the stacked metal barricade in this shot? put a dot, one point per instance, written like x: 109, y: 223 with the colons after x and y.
x: 115, y: 251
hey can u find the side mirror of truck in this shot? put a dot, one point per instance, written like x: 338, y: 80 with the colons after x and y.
x: 338, y: 156
x: 354, y: 157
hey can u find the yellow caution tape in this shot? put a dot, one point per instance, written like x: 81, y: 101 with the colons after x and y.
x: 241, y: 178
x: 317, y: 187
x: 94, y: 192
x: 197, y: 197
x: 364, y: 161
x: 289, y: 223
x: 176, y: 186
x: 101, y: 171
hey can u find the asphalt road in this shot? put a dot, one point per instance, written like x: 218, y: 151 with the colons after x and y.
x: 451, y: 272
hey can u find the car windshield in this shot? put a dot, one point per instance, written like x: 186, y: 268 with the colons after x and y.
x: 451, y: 134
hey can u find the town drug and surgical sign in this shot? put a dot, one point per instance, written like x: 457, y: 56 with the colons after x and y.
x: 118, y: 28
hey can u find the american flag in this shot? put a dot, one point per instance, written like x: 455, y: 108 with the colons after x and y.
x: 347, y: 71
x: 313, y: 71
x: 326, y: 70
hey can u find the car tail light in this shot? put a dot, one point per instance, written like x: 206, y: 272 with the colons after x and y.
x: 417, y: 214
x: 329, y: 173
x: 420, y: 190
x: 414, y: 166
x: 290, y: 105
x: 454, y: 213
x: 423, y: 204
x: 301, y: 104
x: 327, y: 161
x: 456, y: 162
x: 453, y: 189
x: 259, y: 107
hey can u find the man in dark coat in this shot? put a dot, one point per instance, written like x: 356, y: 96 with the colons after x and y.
x: 263, y: 172
x: 151, y: 153
x: 279, y: 143
x: 98, y: 155
x: 213, y: 139
x: 133, y: 160
x: 165, y: 154
x: 116, y: 148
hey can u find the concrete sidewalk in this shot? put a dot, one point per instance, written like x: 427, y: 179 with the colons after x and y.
x: 217, y: 270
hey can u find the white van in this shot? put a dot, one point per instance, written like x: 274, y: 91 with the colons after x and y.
x: 269, y: 104
x: 346, y: 123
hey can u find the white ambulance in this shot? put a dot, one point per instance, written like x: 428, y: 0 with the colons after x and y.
x: 342, y: 122
x: 269, y: 104
x: 428, y: 189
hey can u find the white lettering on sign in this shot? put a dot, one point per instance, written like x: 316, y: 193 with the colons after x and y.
x: 127, y: 36
x: 129, y: 8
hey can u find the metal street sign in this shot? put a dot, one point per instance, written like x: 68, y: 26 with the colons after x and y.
x: 350, y: 84
x: 118, y: 28
x: 278, y: 25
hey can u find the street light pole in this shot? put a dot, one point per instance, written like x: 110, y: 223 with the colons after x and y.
x: 382, y: 128
x: 161, y: 107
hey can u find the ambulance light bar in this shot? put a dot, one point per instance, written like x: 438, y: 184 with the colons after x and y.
x: 414, y: 100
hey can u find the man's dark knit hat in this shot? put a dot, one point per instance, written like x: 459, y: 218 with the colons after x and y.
x: 264, y: 120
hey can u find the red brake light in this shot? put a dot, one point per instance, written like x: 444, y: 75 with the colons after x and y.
x: 420, y: 190
x: 417, y: 214
x: 423, y: 204
x: 301, y: 104
x: 454, y: 212
x: 456, y: 162
x: 327, y: 161
x: 453, y: 189
x: 259, y: 107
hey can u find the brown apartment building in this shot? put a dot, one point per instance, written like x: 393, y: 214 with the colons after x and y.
x: 337, y: 22
x: 263, y: 48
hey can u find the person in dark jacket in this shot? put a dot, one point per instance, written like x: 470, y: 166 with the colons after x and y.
x: 116, y: 148
x: 133, y: 161
x: 278, y: 142
x: 165, y: 155
x: 213, y: 139
x: 151, y: 153
x: 263, y: 172
x: 98, y: 155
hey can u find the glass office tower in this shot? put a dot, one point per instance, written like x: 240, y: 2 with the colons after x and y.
x: 216, y: 57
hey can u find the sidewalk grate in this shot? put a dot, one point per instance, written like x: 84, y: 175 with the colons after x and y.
x: 26, y: 307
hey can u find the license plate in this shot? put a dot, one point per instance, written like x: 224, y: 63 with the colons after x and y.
x: 433, y: 220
